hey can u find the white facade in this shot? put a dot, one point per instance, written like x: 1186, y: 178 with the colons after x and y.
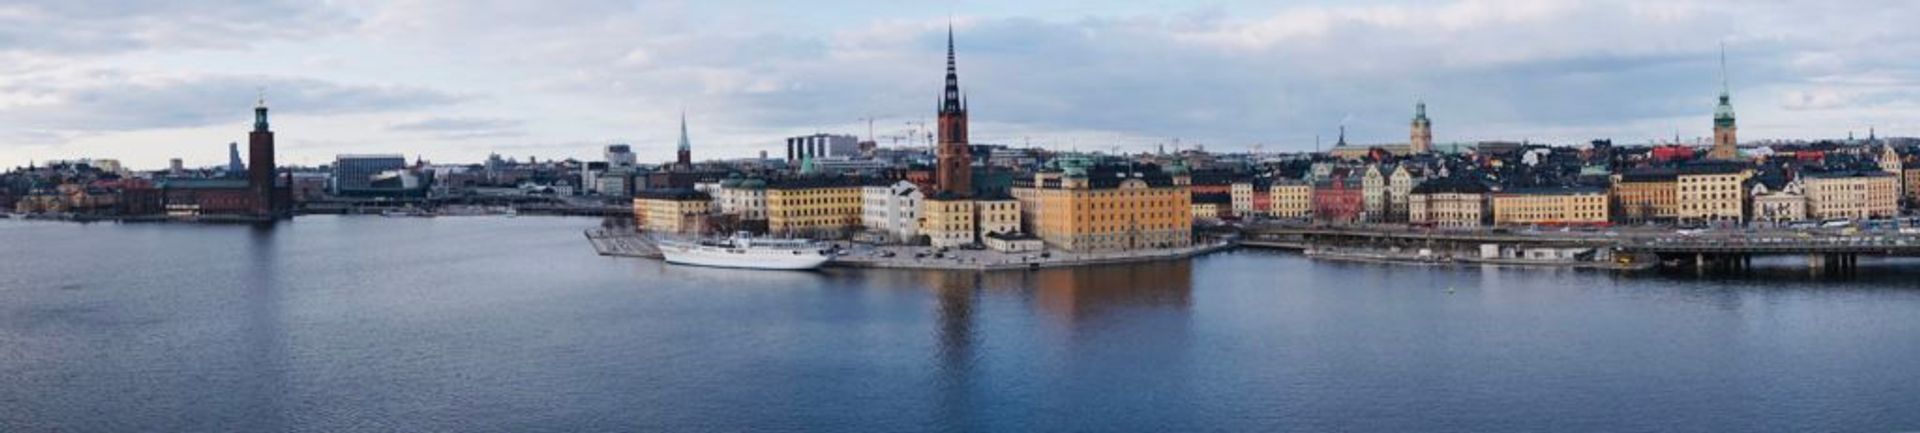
x: 892, y: 209
x: 748, y: 199
x: 822, y: 146
x: 620, y: 155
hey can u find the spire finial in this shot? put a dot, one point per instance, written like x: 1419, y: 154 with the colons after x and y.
x: 1723, y: 69
x: 262, y: 102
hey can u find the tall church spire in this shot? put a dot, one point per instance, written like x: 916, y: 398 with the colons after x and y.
x: 684, y: 143
x: 950, y: 98
x: 1725, y: 141
x: 954, y: 174
x: 683, y: 159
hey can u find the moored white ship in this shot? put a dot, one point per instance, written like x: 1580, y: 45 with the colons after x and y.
x: 743, y: 252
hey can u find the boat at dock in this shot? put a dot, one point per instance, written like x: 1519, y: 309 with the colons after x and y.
x: 745, y: 252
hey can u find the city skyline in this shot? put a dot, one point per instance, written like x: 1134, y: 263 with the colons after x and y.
x: 455, y: 82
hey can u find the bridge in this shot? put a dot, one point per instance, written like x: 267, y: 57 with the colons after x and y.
x: 1724, y: 251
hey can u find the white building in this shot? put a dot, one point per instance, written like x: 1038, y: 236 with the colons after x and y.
x: 746, y: 198
x: 822, y: 146
x: 893, y: 210
x: 620, y: 155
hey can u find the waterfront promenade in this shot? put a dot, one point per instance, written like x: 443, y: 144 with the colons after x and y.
x: 626, y: 243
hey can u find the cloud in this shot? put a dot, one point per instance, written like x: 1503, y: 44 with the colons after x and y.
x: 81, y: 27
x: 109, y: 100
x: 462, y: 127
x: 1074, y: 74
x: 439, y: 124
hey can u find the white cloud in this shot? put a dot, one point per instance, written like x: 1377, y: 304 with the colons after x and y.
x: 593, y: 71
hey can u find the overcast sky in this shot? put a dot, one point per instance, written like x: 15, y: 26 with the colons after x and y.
x: 454, y: 80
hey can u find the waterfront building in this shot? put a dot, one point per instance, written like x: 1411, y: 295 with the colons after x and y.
x: 1777, y: 199
x: 1211, y: 207
x: 1711, y: 192
x: 1851, y: 194
x: 1453, y: 202
x: 677, y: 211
x: 892, y: 211
x: 964, y: 206
x: 1646, y: 195
x: 816, y: 207
x: 1251, y: 198
x: 1374, y: 192
x: 353, y: 175
x: 1338, y: 199
x: 1291, y: 198
x: 1725, y: 143
x: 1078, y: 205
x: 1910, y: 185
x: 952, y: 223
x: 262, y: 195
x: 1550, y: 206
x: 997, y: 215
x: 745, y: 199
x: 1399, y: 187
x: 1014, y: 243
x: 948, y: 223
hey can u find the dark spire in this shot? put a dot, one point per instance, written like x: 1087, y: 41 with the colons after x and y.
x: 950, y: 99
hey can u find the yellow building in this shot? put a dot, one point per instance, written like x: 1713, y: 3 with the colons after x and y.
x: 1448, y: 202
x: 1291, y: 199
x: 999, y: 215
x: 1852, y: 195
x: 822, y: 207
x: 953, y: 222
x: 1208, y: 211
x: 1646, y: 195
x: 1400, y: 188
x: 1243, y: 202
x: 1552, y: 206
x: 947, y: 223
x: 1085, y: 207
x: 1910, y: 185
x: 1711, y: 192
x: 671, y: 211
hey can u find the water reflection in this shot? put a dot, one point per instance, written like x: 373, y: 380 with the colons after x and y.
x: 265, y: 335
x: 1077, y: 295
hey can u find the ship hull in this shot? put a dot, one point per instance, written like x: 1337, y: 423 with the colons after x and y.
x: 791, y: 260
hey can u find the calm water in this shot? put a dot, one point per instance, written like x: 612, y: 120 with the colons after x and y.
x: 495, y: 324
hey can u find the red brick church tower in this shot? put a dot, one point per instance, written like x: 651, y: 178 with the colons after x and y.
x: 954, y: 175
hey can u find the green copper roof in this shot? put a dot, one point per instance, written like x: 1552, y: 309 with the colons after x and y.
x: 1723, y: 114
